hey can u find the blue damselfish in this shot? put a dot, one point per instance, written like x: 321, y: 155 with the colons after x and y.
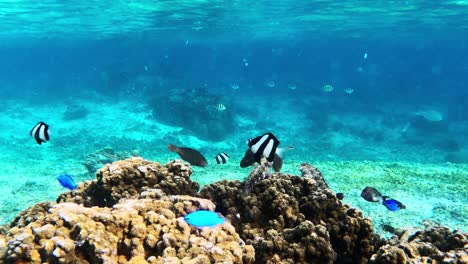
x: 393, y: 205
x: 67, y: 181
x: 204, y: 218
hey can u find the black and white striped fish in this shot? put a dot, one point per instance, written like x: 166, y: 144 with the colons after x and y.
x: 40, y: 132
x: 249, y: 160
x: 222, y: 158
x: 220, y: 107
x: 264, y: 145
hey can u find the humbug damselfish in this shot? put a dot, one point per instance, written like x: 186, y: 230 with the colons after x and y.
x: 264, y: 145
x: 40, y: 132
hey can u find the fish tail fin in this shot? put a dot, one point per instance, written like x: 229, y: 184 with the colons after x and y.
x: 384, y: 198
x: 280, y: 151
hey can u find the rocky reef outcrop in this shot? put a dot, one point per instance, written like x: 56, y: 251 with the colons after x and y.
x: 95, y: 161
x: 133, y: 213
x: 144, y: 230
x: 435, y: 244
x: 128, y: 178
x: 195, y: 111
x: 294, y: 219
x: 126, y: 215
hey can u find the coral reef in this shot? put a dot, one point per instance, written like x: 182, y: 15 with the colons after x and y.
x: 257, y: 175
x: 126, y: 179
x: 294, y: 219
x: 436, y: 244
x: 101, y: 157
x: 133, y: 213
x: 136, y: 222
x: 195, y: 111
x: 133, y: 231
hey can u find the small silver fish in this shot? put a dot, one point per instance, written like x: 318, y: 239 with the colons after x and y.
x: 220, y: 107
x: 328, y: 88
x: 349, y: 90
x: 270, y: 84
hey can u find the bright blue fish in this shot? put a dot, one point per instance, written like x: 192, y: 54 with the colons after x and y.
x: 204, y: 218
x: 67, y: 181
x: 393, y: 205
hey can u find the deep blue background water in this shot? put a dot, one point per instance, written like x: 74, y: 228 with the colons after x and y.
x: 413, y: 72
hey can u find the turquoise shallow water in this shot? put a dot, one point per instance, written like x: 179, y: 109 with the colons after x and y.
x: 430, y: 189
x: 102, y: 19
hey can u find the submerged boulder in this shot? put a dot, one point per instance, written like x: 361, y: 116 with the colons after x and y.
x: 195, y: 111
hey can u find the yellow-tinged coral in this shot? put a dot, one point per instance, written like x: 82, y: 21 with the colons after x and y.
x: 126, y: 179
x: 131, y: 236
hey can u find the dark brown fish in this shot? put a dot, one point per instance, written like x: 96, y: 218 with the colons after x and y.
x: 372, y: 195
x: 388, y: 228
x: 340, y: 196
x: 249, y: 160
x: 192, y: 156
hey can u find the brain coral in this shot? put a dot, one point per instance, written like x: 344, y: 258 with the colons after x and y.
x: 132, y: 213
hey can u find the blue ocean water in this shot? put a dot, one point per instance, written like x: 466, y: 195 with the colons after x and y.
x: 370, y: 92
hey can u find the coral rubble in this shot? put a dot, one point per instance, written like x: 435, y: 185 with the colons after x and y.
x: 133, y: 213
